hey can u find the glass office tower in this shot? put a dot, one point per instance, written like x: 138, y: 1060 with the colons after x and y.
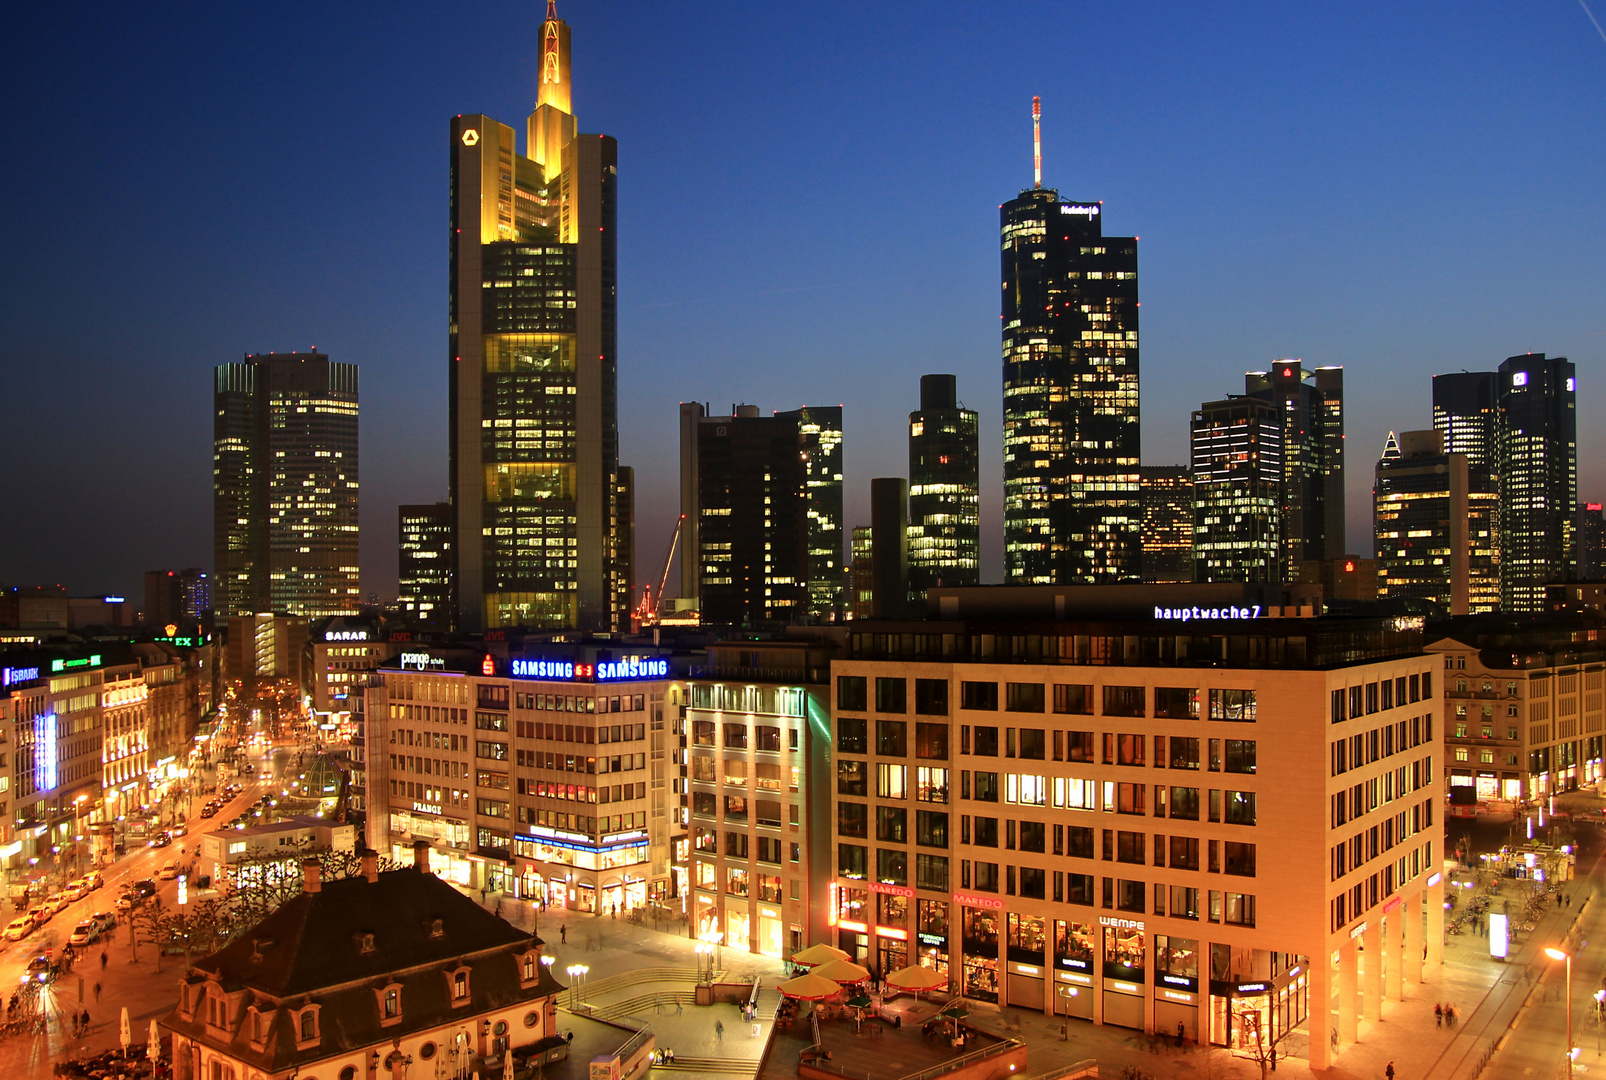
x: 1071, y: 425
x: 533, y: 370
x: 284, y: 486
x: 944, y: 490
x: 1311, y: 407
x: 1237, y: 490
x: 1537, y: 457
x: 821, y: 428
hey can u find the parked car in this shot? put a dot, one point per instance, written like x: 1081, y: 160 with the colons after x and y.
x: 94, y: 879
x: 19, y: 928
x: 75, y: 890
x: 83, y: 934
x: 126, y: 903
x: 103, y: 920
x: 168, y: 872
x: 57, y: 902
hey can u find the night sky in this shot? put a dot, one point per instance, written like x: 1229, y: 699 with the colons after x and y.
x: 808, y: 215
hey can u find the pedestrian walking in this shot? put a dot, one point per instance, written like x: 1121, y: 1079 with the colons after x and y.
x: 563, y: 934
x: 1389, y: 1072
x: 719, y: 1032
x: 84, y: 1018
x: 97, y: 993
x: 1438, y: 1015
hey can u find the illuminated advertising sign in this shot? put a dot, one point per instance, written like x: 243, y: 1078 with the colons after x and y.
x: 58, y: 666
x: 1497, y: 934
x: 345, y: 635
x: 1087, y: 210
x: 1120, y: 924
x: 421, y: 661
x: 625, y: 670
x: 1215, y: 614
x: 44, y: 756
x: 12, y: 675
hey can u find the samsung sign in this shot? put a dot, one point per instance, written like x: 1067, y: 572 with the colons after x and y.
x: 1215, y: 614
x: 632, y: 668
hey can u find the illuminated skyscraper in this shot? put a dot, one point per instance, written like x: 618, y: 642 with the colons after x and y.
x: 821, y: 428
x: 533, y: 380
x: 1537, y: 458
x: 424, y: 564
x: 1237, y: 482
x: 1465, y: 414
x: 1071, y: 433
x: 944, y: 491
x: 284, y: 486
x: 1311, y: 409
x: 1433, y: 522
x: 1167, y: 524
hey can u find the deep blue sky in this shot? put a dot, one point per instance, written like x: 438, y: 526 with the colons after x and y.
x: 808, y: 215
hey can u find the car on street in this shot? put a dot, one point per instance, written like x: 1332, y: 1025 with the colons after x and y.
x: 57, y: 901
x: 83, y: 934
x: 168, y: 872
x: 42, y: 967
x: 162, y: 839
x: 103, y: 920
x: 142, y: 888
x: 125, y: 903
x: 94, y: 879
x: 19, y: 928
x: 209, y: 810
x: 75, y: 890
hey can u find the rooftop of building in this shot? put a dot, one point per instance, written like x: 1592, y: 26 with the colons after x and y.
x: 337, y: 944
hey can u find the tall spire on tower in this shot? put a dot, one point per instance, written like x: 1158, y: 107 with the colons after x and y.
x: 551, y: 125
x: 1037, y: 142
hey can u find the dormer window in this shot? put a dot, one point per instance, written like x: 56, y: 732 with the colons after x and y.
x: 528, y: 967
x: 307, y: 1026
x: 437, y: 928
x: 459, y: 985
x: 388, y: 998
x: 365, y: 943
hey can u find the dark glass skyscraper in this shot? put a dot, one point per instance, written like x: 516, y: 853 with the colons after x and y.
x: 1537, y: 458
x: 821, y: 428
x: 1433, y: 524
x: 284, y: 486
x: 424, y: 564
x: 1311, y: 406
x: 1167, y: 524
x: 533, y: 369
x: 746, y: 526
x: 1465, y: 414
x: 944, y: 490
x: 1237, y: 481
x: 1071, y: 425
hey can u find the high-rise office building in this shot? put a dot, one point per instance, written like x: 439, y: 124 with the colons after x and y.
x: 1589, y: 542
x: 533, y: 368
x: 746, y: 526
x: 178, y: 597
x: 1237, y: 491
x: 1465, y: 414
x: 1311, y: 405
x: 1167, y: 496
x: 284, y: 486
x: 944, y: 490
x: 821, y: 428
x: 1537, y: 459
x: 889, y: 547
x: 1433, y: 523
x: 1071, y: 431
x: 861, y: 575
x: 424, y: 564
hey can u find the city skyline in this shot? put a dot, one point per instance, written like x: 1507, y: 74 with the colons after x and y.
x: 375, y: 299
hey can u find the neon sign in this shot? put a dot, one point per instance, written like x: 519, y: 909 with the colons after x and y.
x: 1087, y: 210
x: 45, y: 757
x: 58, y: 666
x: 13, y: 675
x: 1120, y: 924
x: 1218, y: 614
x: 345, y: 635
x: 488, y: 665
x: 635, y: 667
x: 421, y: 661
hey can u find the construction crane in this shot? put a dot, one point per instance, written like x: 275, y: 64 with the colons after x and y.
x: 652, y: 603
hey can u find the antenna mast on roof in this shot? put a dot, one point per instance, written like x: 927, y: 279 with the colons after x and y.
x: 1037, y: 142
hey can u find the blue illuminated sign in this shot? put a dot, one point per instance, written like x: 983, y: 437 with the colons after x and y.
x: 18, y: 675
x: 543, y: 669
x: 635, y: 667
x: 45, y: 752
x: 1215, y: 614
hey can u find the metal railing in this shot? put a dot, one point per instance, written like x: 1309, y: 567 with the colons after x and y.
x: 1085, y: 1067
x: 963, y: 1060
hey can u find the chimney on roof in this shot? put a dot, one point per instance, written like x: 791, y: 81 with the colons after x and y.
x: 370, y: 865
x: 311, y: 876
x: 421, y: 856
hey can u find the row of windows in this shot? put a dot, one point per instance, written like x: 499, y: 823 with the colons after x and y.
x: 1368, y: 698
x: 931, y: 698
x: 1390, y: 739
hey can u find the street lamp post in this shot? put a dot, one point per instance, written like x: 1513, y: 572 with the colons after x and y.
x: 577, y: 974
x: 1600, y: 1001
x: 1559, y: 954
